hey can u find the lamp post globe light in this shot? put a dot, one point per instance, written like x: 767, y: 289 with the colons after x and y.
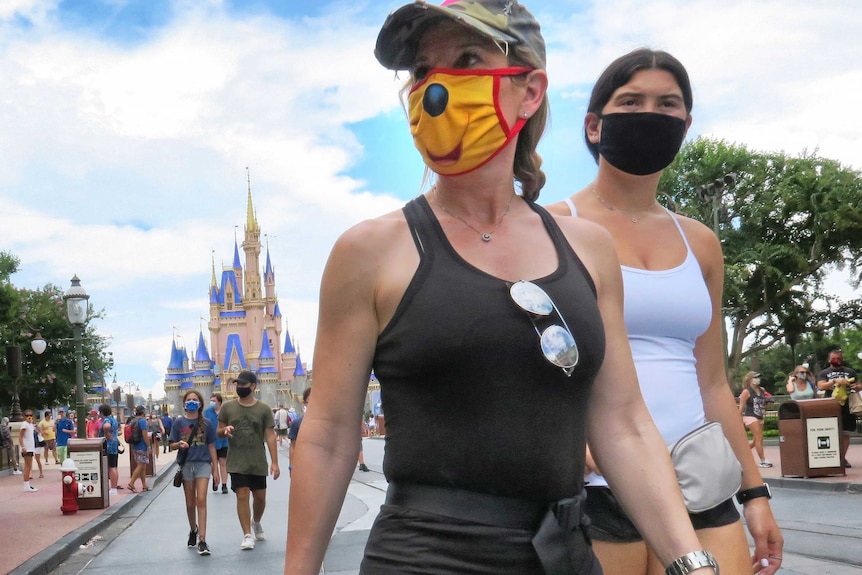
x: 76, y: 310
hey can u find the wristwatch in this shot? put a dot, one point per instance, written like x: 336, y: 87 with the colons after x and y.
x: 748, y: 494
x: 691, y: 561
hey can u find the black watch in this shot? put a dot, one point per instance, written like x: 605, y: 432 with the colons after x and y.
x: 747, y: 495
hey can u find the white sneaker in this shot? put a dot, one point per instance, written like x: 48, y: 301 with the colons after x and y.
x: 765, y: 463
x: 247, y: 542
x: 112, y: 491
x: 17, y: 472
x: 30, y: 489
x: 258, y: 531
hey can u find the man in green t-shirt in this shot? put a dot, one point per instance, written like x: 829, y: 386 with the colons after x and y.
x: 247, y: 423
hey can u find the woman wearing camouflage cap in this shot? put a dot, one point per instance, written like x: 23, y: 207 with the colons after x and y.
x: 432, y: 298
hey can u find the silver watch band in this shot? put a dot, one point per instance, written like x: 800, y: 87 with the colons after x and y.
x: 691, y: 561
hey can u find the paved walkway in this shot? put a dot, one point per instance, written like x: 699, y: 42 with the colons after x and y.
x: 37, y: 537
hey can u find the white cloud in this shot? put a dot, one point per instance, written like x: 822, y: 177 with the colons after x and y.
x: 124, y: 163
x: 774, y: 75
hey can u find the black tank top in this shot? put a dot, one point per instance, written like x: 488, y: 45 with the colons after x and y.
x: 470, y: 401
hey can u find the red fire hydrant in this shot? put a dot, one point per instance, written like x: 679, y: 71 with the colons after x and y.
x: 71, y: 489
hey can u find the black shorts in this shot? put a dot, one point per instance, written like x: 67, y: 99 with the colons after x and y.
x: 221, y: 452
x: 608, y: 521
x: 253, y: 482
x: 848, y: 420
x: 113, y: 459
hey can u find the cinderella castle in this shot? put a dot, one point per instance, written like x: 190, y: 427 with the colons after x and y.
x: 246, y: 333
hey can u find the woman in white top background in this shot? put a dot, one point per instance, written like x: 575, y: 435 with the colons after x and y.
x: 637, y: 118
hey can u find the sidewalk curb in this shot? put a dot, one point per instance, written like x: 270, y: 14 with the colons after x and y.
x: 44, y: 562
x: 848, y: 487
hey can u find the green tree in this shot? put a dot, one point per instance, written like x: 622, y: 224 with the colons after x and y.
x: 785, y: 224
x: 48, y: 379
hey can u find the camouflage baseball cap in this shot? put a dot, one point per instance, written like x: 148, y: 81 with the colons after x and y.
x: 505, y: 21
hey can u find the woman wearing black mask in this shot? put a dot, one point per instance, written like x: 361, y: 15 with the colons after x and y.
x: 637, y: 117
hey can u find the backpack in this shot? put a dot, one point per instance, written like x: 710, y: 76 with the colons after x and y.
x: 132, y: 432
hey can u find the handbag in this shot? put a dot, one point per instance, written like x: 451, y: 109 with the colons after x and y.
x: 855, y: 403
x: 181, y: 459
x: 706, y: 467
x: 178, y: 477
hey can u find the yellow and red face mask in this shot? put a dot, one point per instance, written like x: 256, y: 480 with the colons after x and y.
x: 456, y: 120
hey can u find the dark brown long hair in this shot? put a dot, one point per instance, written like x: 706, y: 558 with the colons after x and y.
x: 621, y: 70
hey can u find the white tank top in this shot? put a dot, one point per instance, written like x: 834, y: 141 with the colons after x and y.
x: 665, y: 312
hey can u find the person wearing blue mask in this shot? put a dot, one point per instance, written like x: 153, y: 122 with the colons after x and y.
x: 466, y: 301
x: 221, y: 444
x: 194, y: 436
x: 673, y: 272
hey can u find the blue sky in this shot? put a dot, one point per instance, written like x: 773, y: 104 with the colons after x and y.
x: 127, y: 127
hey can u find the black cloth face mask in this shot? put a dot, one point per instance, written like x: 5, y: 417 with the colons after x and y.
x: 640, y: 143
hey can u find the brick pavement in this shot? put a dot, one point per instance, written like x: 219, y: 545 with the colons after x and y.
x: 31, y: 523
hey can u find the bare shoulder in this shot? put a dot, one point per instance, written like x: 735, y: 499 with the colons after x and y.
x: 370, y: 242
x: 703, y: 241
x: 559, y: 208
x: 584, y: 233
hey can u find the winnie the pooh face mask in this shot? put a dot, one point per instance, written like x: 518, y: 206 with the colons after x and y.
x: 456, y: 120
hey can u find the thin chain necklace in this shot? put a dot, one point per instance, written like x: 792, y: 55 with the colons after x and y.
x: 486, y: 236
x: 624, y: 211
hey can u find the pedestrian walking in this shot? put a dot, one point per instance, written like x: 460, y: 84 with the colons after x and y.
x: 140, y: 450
x: 672, y: 271
x: 111, y: 432
x: 157, y: 432
x: 247, y: 423
x: 435, y: 298
x: 293, y: 432
x: 27, y: 441
x: 221, y: 444
x: 282, y: 421
x: 167, y: 423
x: 49, y: 435
x: 65, y: 431
x: 9, y: 445
x: 194, y: 435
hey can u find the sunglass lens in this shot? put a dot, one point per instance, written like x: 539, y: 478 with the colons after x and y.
x: 531, y: 298
x: 559, y: 347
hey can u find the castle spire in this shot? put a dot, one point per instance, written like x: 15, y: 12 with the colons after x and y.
x: 213, y: 282
x: 251, y: 220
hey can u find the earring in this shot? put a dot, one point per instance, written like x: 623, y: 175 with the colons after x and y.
x: 526, y: 114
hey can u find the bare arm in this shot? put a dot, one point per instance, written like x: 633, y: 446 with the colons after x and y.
x: 106, y: 430
x: 323, y: 461
x: 622, y: 436
x: 272, y: 445
x: 719, y: 404
x: 743, y: 399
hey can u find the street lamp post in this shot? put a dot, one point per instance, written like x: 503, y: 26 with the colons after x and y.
x: 13, y: 369
x: 712, y: 193
x: 76, y: 309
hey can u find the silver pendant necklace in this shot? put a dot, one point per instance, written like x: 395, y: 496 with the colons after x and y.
x: 628, y: 213
x: 486, y: 236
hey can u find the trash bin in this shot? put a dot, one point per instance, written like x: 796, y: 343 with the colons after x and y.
x: 91, y: 458
x: 810, y: 438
